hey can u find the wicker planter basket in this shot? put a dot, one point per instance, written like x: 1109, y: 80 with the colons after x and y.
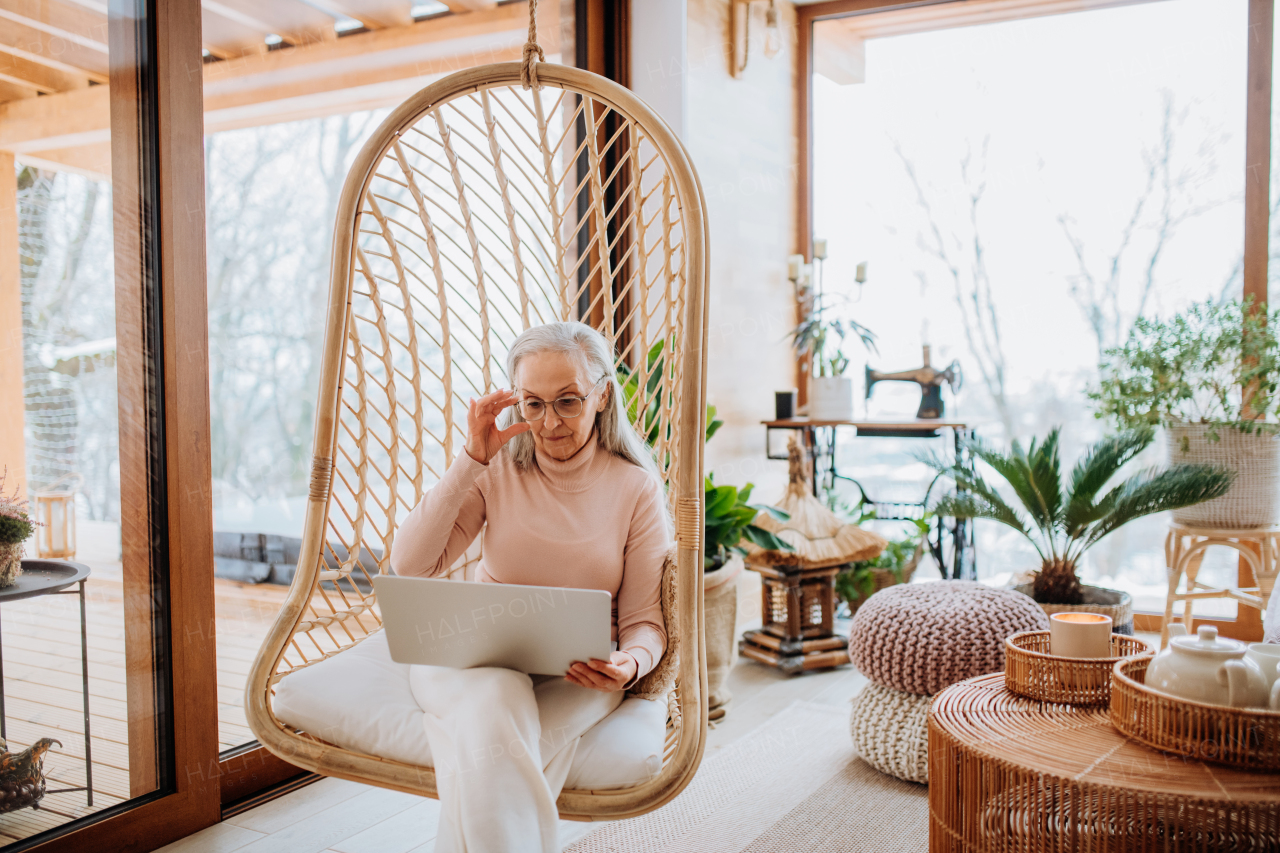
x: 1252, y: 500
x: 1109, y: 602
x: 1029, y: 669
x: 1248, y: 738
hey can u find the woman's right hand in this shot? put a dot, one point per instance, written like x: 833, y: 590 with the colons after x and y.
x: 484, y: 439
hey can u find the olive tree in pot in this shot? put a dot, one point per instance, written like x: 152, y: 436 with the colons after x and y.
x: 1209, y: 377
x: 1064, y: 519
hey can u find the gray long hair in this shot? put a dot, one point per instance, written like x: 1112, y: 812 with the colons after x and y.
x: 592, y: 352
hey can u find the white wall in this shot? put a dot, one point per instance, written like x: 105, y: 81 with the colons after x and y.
x: 741, y: 136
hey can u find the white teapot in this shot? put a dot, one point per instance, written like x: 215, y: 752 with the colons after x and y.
x: 1207, y: 668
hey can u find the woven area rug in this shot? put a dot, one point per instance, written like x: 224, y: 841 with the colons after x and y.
x: 793, y: 784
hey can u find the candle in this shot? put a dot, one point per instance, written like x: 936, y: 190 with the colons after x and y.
x: 820, y: 249
x: 795, y: 265
x: 1080, y: 635
x: 861, y: 276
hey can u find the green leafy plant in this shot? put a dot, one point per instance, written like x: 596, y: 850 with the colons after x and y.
x: 822, y: 336
x: 1062, y: 520
x: 629, y: 379
x: 1194, y: 368
x: 730, y: 519
x: 858, y: 580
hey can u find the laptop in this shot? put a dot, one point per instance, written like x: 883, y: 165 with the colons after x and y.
x: 532, y: 629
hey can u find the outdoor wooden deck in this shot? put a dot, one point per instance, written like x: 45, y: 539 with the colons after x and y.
x: 42, y: 684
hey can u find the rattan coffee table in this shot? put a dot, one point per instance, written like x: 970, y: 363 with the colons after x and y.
x: 1013, y: 774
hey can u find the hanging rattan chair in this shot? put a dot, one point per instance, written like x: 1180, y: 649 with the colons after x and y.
x: 481, y: 207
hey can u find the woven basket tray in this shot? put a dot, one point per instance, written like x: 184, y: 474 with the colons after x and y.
x: 1248, y: 738
x: 1029, y: 669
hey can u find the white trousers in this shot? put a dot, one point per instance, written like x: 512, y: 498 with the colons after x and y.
x: 502, y: 744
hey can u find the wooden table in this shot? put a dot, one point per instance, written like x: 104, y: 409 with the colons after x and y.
x: 1012, y: 774
x: 820, y: 441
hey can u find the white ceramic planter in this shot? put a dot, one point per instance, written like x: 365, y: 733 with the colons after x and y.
x: 720, y: 608
x: 831, y: 398
x: 1252, y: 500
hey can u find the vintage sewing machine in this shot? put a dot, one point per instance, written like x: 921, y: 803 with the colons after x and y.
x: 929, y: 380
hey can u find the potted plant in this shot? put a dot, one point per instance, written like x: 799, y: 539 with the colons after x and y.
x: 1064, y: 519
x: 894, y: 565
x: 729, y: 520
x: 1208, y: 376
x: 16, y: 527
x: 821, y: 337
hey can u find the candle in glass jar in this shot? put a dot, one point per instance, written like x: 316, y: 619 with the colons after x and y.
x: 1080, y: 635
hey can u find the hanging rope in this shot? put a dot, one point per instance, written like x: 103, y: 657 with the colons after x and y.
x: 529, y: 73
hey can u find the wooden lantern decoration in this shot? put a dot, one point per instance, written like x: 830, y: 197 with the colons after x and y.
x: 56, y: 511
x: 798, y: 593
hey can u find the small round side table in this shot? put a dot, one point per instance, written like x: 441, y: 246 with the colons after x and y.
x: 1012, y: 774
x: 56, y: 577
x: 1184, y: 549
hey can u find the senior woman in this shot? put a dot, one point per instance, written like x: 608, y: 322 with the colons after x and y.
x: 572, y: 498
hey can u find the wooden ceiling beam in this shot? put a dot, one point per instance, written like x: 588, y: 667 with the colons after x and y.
x: 34, y: 45
x: 73, y: 24
x: 295, y: 22
x: 361, y: 71
x: 42, y: 78
x: 64, y: 120
x: 92, y: 161
x: 391, y: 16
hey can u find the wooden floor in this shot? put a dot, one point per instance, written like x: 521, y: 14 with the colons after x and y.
x: 334, y: 816
x: 42, y: 687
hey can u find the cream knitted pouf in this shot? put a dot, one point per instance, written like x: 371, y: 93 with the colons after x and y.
x: 891, y: 732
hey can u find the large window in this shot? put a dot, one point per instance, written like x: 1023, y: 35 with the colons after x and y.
x: 1021, y: 191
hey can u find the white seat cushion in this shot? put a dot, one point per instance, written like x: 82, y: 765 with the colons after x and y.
x: 361, y: 701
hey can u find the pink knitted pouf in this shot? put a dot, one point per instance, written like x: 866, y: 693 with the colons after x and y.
x: 920, y: 638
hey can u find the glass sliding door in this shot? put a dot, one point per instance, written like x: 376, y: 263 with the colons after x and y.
x: 276, y: 158
x: 93, y: 424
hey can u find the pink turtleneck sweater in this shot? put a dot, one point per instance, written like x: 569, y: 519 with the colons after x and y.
x: 594, y: 521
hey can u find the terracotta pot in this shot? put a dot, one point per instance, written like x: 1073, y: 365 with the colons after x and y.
x: 831, y: 398
x: 720, y: 608
x: 1109, y: 602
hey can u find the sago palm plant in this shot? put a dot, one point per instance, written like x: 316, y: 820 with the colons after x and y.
x: 1063, y: 520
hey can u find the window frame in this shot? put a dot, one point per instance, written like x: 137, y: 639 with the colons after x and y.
x: 1257, y: 202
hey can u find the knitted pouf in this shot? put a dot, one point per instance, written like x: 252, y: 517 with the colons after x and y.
x: 891, y: 731
x: 921, y: 638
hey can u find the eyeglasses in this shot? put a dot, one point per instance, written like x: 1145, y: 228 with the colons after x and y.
x: 534, y: 409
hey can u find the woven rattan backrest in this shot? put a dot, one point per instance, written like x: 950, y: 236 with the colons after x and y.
x: 479, y: 209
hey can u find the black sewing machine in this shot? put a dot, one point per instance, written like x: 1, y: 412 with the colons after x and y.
x: 929, y: 380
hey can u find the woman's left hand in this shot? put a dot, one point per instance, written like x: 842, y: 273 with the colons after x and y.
x: 607, y: 676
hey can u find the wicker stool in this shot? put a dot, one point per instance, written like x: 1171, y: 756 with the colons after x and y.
x: 920, y: 638
x: 891, y: 731
x: 1184, y: 549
